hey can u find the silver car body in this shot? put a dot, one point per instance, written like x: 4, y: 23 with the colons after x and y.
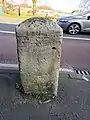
x: 81, y: 19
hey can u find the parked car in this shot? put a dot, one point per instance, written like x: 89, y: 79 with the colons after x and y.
x: 75, y: 24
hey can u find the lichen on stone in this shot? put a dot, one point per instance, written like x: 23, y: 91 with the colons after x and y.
x: 39, y: 51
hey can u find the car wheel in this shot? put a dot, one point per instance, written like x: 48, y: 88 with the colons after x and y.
x: 89, y: 18
x: 74, y: 29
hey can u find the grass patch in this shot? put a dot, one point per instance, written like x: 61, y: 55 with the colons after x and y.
x: 22, y: 16
x: 26, y: 16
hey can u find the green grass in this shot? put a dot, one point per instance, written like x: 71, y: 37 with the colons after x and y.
x: 22, y: 16
x: 25, y: 16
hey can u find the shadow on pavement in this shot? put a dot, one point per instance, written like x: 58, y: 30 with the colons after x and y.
x: 72, y: 103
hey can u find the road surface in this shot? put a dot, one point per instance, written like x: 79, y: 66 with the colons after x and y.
x: 7, y: 27
x: 75, y: 53
x: 72, y: 102
x: 8, y: 52
x: 11, y: 28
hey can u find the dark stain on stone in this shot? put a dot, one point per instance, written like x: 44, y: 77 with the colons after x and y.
x: 32, y: 33
x: 54, y: 48
x: 23, y: 42
x: 27, y: 37
x: 37, y: 44
x: 19, y: 25
x: 40, y: 23
x: 39, y: 34
x: 45, y: 59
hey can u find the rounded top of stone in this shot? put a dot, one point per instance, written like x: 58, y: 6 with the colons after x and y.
x: 35, y: 24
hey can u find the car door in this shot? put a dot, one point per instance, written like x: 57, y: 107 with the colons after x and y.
x: 86, y: 24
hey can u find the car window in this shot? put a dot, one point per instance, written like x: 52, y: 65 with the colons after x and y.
x: 86, y: 13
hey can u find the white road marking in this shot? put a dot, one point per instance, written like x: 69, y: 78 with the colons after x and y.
x: 83, y: 72
x: 15, y: 66
x: 8, y: 66
x: 9, y: 23
x: 65, y: 70
x: 79, y: 72
x: 86, y: 79
x: 87, y: 72
x: 74, y: 38
x: 7, y: 32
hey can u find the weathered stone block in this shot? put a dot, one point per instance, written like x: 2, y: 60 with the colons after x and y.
x: 39, y: 50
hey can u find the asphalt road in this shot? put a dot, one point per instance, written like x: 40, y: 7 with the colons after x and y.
x: 72, y: 102
x: 11, y: 27
x: 8, y: 46
x: 7, y: 27
x: 75, y: 53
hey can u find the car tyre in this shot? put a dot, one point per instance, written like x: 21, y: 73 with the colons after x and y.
x: 88, y: 17
x: 74, y: 29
